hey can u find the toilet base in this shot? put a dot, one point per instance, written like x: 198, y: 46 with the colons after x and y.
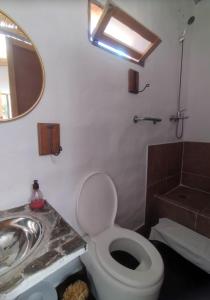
x: 109, y: 288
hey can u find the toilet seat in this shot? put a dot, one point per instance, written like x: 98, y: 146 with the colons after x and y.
x: 150, y: 270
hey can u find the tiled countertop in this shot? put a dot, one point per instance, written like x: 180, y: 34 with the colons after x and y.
x: 60, y: 244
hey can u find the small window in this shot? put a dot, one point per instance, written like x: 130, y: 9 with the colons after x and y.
x: 113, y: 29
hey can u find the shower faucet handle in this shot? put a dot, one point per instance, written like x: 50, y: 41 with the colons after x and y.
x: 180, y: 115
x: 180, y: 112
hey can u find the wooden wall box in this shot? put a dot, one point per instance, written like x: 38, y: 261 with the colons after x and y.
x: 49, y: 138
x: 133, y: 81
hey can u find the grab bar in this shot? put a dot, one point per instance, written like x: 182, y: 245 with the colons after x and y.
x: 137, y: 119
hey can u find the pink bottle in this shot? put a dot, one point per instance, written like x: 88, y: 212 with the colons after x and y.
x: 36, y: 200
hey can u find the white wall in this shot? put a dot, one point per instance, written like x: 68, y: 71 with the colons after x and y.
x: 198, y: 76
x: 86, y: 92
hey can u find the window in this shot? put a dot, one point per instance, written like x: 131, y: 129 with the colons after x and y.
x: 114, y: 30
x: 5, y: 106
x: 3, y: 51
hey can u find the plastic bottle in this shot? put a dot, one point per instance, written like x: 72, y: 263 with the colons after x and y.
x: 36, y: 200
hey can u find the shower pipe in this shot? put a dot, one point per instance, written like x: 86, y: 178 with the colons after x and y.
x: 180, y: 117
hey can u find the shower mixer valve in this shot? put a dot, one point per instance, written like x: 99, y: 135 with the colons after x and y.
x: 179, y: 116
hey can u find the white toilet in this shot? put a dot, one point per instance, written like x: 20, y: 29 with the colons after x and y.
x: 96, y: 212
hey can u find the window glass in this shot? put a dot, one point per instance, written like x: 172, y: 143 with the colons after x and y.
x: 127, y: 36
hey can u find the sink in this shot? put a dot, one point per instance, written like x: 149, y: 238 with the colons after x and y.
x: 19, y: 236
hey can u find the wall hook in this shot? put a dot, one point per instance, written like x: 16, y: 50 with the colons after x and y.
x: 58, y: 152
x: 146, y: 86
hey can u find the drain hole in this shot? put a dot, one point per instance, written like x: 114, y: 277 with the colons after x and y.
x: 126, y: 259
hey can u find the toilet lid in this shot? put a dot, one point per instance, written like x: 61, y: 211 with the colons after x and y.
x: 97, y: 204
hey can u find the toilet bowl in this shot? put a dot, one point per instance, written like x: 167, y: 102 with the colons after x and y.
x: 121, y: 263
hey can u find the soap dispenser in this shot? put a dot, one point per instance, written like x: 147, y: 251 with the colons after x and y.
x: 36, y: 200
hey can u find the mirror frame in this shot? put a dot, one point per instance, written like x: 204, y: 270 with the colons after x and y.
x: 42, y: 68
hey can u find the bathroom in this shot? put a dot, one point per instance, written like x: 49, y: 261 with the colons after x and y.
x: 86, y: 92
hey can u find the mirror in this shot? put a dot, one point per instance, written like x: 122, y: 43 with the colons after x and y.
x: 21, y: 71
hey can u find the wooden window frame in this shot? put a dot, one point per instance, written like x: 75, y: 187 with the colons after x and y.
x: 111, y: 10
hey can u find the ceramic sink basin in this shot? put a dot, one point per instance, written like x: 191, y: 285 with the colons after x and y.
x: 19, y: 236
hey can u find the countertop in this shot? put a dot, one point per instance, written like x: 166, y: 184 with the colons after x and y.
x: 60, y: 244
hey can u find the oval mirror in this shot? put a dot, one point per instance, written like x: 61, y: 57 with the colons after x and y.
x: 21, y: 71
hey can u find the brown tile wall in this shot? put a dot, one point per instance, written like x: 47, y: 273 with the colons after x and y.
x: 165, y: 208
x: 203, y: 222
x: 196, y: 165
x: 169, y: 165
x: 186, y: 206
x: 163, y: 174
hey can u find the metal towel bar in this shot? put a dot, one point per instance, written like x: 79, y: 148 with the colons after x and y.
x: 137, y: 119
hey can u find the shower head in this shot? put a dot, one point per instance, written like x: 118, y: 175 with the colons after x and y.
x: 197, y: 1
x: 191, y: 20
